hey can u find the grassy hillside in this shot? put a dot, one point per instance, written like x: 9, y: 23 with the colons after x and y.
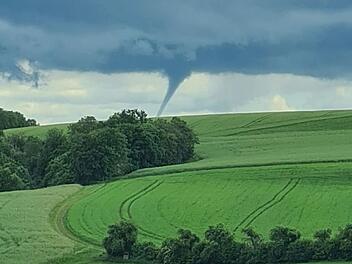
x: 259, y: 170
x: 26, y: 230
x: 36, y: 131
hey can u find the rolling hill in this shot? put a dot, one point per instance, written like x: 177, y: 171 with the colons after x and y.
x: 259, y: 170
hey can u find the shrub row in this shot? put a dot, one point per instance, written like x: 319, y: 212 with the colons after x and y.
x: 219, y: 246
x: 94, y: 150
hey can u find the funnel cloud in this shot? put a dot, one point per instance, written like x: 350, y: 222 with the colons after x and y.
x: 175, y: 38
x: 174, y: 82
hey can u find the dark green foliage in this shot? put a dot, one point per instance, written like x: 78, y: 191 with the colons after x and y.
x: 179, y: 250
x: 9, y: 180
x: 252, y: 237
x: 98, y: 155
x: 284, y: 235
x: 344, y: 241
x: 129, y: 116
x: 11, y: 119
x: 84, y: 126
x: 145, y: 251
x: 58, y: 171
x: 220, y: 247
x: 13, y: 176
x: 121, y: 239
x: 94, y: 150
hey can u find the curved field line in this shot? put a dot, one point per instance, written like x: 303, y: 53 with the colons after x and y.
x: 263, y: 205
x: 234, y: 166
x: 58, y: 218
x: 149, y: 233
x: 287, y: 125
x: 275, y: 203
x: 132, y: 199
x: 259, y: 119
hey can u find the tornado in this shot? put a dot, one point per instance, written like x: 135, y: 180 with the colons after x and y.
x: 175, y: 79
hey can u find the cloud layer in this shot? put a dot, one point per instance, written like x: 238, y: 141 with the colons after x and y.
x: 175, y: 38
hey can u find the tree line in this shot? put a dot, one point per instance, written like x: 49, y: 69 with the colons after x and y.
x: 93, y: 150
x: 11, y: 119
x: 219, y: 246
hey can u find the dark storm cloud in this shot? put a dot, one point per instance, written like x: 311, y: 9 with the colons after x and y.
x: 177, y: 38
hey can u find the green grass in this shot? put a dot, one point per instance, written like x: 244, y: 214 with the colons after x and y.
x: 26, y: 232
x: 38, y: 131
x: 262, y: 170
x: 297, y: 175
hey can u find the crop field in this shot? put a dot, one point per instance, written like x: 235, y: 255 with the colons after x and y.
x: 35, y: 131
x: 26, y: 227
x: 259, y: 170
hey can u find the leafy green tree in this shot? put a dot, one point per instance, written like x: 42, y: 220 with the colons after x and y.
x: 252, y: 237
x: 219, y: 247
x: 129, y: 116
x: 323, y: 235
x: 84, y: 125
x: 99, y: 155
x: 121, y: 239
x: 55, y: 144
x: 178, y: 250
x: 58, y: 171
x: 145, y: 251
x: 13, y: 176
x: 11, y: 119
x: 9, y: 180
x: 344, y: 240
x: 284, y: 235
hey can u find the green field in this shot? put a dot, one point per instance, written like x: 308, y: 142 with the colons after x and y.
x: 259, y: 170
x: 34, y: 131
x: 26, y: 227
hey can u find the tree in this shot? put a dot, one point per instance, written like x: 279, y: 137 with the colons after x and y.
x: 98, y: 155
x: 284, y: 235
x: 253, y: 237
x: 55, y: 144
x: 121, y: 239
x: 129, y: 116
x: 219, y: 247
x: 9, y: 180
x: 322, y: 244
x: 322, y: 235
x: 12, y: 175
x: 344, y: 240
x: 84, y: 125
x: 179, y: 250
x: 58, y: 171
x: 11, y: 119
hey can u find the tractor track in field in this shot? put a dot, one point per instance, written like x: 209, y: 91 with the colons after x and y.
x: 58, y: 218
x: 293, y: 123
x: 9, y: 240
x: 129, y: 201
x: 277, y: 198
x: 257, y: 120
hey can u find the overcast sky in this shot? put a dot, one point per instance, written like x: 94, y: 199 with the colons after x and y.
x: 60, y: 60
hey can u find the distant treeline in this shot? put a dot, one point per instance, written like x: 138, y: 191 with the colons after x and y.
x: 11, y: 119
x: 93, y: 151
x: 219, y: 246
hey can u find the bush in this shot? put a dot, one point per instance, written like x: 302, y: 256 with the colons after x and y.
x: 11, y: 175
x: 95, y: 150
x: 120, y: 240
x: 220, y: 247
